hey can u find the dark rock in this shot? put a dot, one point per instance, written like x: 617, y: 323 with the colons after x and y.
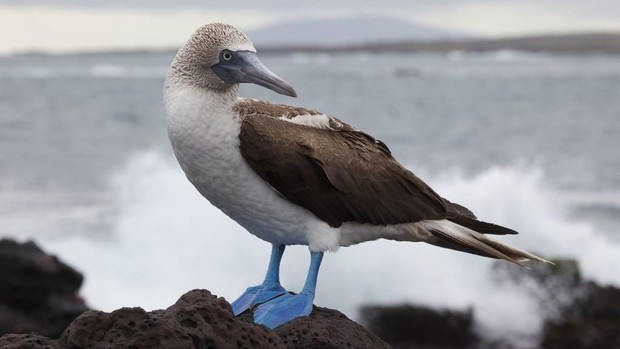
x: 26, y: 341
x: 201, y: 320
x: 197, y: 320
x: 408, y: 326
x: 592, y: 321
x: 38, y: 293
x: 327, y: 328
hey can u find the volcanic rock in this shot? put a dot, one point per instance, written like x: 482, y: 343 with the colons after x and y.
x: 38, y: 292
x: 409, y: 326
x: 200, y: 320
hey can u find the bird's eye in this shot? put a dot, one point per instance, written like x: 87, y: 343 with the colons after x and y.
x: 227, y: 55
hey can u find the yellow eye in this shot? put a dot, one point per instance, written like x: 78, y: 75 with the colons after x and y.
x: 226, y: 55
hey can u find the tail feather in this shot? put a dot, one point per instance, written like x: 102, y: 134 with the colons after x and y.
x: 448, y: 234
x: 482, y: 227
x: 461, y: 215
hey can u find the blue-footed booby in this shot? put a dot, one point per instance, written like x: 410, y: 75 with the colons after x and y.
x: 296, y: 176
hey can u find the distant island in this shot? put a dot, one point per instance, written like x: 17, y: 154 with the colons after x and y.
x: 560, y: 43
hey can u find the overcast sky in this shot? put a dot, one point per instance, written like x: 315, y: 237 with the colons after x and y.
x: 65, y: 25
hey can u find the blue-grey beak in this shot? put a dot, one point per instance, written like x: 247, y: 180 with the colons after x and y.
x: 243, y: 66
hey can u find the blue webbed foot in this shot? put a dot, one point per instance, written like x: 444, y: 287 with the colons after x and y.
x: 276, y: 305
x: 268, y: 290
x: 256, y: 295
x: 283, y: 309
x: 289, y: 306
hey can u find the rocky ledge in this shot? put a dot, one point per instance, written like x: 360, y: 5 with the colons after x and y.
x: 40, y: 308
x: 199, y: 320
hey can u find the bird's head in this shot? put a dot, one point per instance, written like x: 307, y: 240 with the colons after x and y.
x: 219, y: 56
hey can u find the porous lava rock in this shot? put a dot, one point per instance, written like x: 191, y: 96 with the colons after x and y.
x: 328, y: 329
x: 197, y: 320
x: 200, y: 320
x: 26, y: 341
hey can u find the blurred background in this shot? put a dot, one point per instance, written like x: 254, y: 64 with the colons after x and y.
x: 511, y: 108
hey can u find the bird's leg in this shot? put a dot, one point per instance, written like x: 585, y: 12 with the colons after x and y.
x: 288, y: 307
x: 269, y: 289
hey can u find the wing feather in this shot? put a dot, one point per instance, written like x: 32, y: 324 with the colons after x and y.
x: 339, y: 175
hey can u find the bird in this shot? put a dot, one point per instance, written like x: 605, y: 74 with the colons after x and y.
x: 296, y: 176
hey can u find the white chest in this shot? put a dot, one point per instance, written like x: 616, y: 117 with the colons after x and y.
x: 204, y: 134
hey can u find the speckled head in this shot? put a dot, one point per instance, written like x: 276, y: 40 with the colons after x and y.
x: 219, y: 56
x: 208, y: 40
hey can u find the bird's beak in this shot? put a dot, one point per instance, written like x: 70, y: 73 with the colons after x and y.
x: 244, y: 66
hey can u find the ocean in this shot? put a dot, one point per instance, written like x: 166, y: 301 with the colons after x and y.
x: 529, y: 141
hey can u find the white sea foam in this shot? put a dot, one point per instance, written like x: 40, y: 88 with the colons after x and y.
x: 167, y: 240
x: 119, y: 71
x: 502, y: 56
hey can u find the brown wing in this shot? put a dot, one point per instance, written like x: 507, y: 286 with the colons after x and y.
x: 339, y: 175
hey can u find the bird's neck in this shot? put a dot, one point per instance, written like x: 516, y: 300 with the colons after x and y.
x: 199, y: 117
x: 188, y: 103
x: 202, y: 127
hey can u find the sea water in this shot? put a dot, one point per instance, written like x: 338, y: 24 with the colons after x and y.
x: 529, y: 141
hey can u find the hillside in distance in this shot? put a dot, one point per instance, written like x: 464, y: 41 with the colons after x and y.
x: 336, y: 32
x: 390, y: 34
x: 552, y: 43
